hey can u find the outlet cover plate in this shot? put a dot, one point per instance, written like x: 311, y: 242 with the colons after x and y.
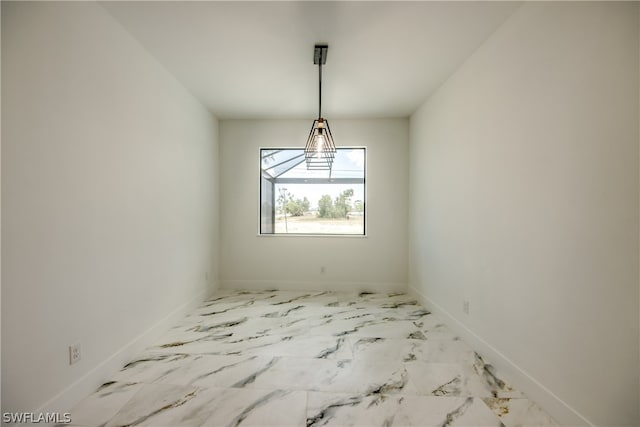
x: 74, y: 354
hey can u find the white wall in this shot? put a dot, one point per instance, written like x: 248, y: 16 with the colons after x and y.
x: 524, y: 200
x: 376, y: 262
x: 109, y: 198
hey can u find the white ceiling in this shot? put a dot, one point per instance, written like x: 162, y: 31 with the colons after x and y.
x: 255, y: 59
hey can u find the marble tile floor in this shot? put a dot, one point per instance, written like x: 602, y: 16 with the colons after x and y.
x: 276, y: 358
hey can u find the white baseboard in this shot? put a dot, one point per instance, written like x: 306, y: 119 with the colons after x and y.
x: 262, y: 285
x: 88, y: 383
x: 534, y: 390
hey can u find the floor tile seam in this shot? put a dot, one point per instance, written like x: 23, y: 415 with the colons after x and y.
x: 172, y: 383
x: 434, y: 397
x: 321, y: 312
x: 287, y: 356
x: 355, y: 358
x: 330, y: 319
x: 430, y: 362
x: 294, y: 319
x: 244, y: 304
x: 265, y: 356
x: 301, y: 335
x: 121, y: 407
x: 510, y: 398
x: 381, y: 358
x: 404, y: 393
x: 361, y: 337
x: 351, y: 338
x: 203, y: 388
x: 482, y: 399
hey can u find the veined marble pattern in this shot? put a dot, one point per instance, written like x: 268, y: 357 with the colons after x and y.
x: 276, y: 358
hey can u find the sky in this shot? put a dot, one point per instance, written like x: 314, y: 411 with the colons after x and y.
x: 348, y: 163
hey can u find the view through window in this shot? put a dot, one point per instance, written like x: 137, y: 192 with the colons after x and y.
x: 294, y: 200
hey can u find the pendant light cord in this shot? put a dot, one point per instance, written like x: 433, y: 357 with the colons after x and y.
x: 320, y: 90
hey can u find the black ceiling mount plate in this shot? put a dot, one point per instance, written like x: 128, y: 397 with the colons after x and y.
x: 320, y: 54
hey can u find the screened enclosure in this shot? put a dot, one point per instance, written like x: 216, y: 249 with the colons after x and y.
x: 295, y: 200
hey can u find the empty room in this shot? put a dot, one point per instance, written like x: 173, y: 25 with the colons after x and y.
x: 320, y: 213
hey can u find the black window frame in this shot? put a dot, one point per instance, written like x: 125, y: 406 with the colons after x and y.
x: 265, y: 229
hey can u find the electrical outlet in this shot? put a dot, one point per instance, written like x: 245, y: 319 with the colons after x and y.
x: 465, y: 306
x: 74, y: 353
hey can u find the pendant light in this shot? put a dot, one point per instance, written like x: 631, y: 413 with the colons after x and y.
x: 320, y: 149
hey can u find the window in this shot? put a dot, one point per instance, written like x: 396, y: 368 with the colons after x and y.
x: 294, y: 200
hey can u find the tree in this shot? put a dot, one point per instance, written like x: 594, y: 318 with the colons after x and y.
x: 306, y: 205
x: 297, y: 207
x: 358, y: 206
x: 283, y: 196
x: 281, y: 201
x: 343, y: 204
x: 340, y: 209
x: 325, y: 207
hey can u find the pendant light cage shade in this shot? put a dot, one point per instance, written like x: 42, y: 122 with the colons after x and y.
x: 320, y: 150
